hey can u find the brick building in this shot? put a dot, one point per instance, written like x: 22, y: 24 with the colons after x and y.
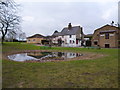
x: 107, y: 36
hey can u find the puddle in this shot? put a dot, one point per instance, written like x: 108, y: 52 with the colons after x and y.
x: 43, y: 56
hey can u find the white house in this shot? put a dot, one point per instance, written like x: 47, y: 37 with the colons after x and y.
x: 71, y: 36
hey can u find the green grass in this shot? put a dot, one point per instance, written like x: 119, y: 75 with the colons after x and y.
x: 97, y: 73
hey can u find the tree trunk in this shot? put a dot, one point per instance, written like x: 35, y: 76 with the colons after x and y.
x: 3, y: 37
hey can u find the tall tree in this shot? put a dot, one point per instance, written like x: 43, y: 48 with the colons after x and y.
x: 9, y: 20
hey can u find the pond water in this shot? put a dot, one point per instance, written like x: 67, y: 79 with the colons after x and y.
x: 43, y: 56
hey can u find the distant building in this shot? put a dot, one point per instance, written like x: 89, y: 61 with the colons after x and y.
x: 71, y: 36
x: 107, y: 36
x: 37, y: 39
x: 87, y: 39
x: 55, y: 37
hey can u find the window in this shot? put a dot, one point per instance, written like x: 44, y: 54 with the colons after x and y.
x: 107, y: 45
x: 106, y: 35
x: 70, y: 36
x: 33, y: 39
x: 70, y: 41
x: 119, y: 42
x: 76, y: 41
x: 95, y: 42
x: 73, y: 41
x: 28, y: 40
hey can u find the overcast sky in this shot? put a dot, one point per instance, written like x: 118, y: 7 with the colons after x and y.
x: 43, y: 17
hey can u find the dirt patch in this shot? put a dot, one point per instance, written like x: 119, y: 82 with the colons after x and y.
x: 85, y: 56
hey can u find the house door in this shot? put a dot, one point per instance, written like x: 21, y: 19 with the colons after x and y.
x: 107, y: 45
x: 88, y: 43
x: 76, y: 41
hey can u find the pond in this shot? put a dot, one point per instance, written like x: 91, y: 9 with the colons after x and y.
x: 43, y: 56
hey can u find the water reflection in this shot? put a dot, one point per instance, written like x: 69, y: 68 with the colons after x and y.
x: 21, y: 57
x: 43, y: 56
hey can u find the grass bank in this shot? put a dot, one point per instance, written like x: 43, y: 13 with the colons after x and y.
x: 97, y: 73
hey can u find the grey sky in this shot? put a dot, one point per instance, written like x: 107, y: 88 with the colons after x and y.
x: 46, y: 17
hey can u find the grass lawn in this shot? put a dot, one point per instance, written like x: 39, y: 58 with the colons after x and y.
x: 97, y: 73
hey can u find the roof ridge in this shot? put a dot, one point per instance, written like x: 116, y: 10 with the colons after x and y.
x: 72, y: 26
x: 36, y: 36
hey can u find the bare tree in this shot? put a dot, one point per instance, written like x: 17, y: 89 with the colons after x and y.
x: 9, y: 20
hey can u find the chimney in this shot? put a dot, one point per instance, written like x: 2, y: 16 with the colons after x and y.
x: 112, y: 23
x: 69, y: 26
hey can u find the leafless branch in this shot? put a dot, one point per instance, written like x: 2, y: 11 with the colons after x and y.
x: 9, y: 20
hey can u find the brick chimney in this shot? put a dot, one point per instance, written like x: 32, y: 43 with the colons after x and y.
x: 69, y: 26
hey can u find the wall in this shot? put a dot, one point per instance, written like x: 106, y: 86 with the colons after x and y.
x: 67, y: 39
x: 67, y: 43
x: 35, y: 40
x: 111, y: 41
